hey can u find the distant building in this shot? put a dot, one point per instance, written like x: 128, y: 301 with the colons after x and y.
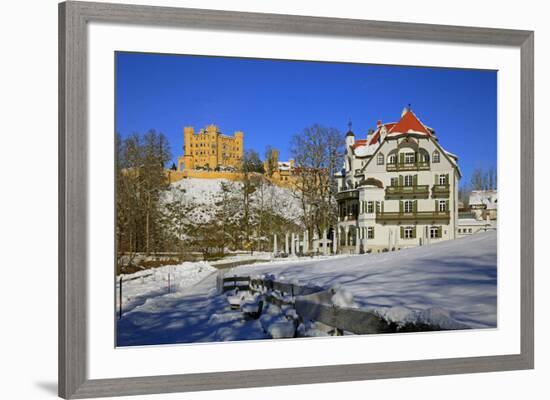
x: 282, y: 172
x: 469, y: 224
x: 210, y: 149
x: 483, y: 203
x: 397, y: 189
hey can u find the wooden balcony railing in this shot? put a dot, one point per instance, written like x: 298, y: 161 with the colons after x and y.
x: 414, y: 166
x: 441, y: 191
x: 347, y: 195
x: 408, y: 192
x: 413, y: 217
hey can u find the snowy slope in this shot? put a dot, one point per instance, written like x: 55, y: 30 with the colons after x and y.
x: 206, y: 193
x: 450, y: 281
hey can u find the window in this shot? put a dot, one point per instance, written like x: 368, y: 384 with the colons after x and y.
x: 408, y: 232
x: 408, y: 180
x: 442, y: 179
x: 409, y: 158
x: 370, y: 207
x: 392, y: 159
x: 394, y: 182
x: 436, y: 157
x: 370, y: 232
x: 408, y: 206
x: 469, y: 230
x: 442, y: 205
x: 380, y: 159
x: 434, y: 232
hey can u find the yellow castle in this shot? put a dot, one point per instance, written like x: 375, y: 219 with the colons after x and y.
x: 210, y: 149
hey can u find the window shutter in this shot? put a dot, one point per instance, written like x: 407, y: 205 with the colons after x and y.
x: 447, y: 179
x: 415, y: 180
x: 402, y: 232
x: 400, y: 180
x: 400, y: 206
x: 447, y: 205
x: 439, y: 232
x: 414, y: 232
x: 436, y: 179
x: 436, y: 205
x: 415, y: 206
x: 382, y: 207
x: 373, y: 230
x: 402, y: 158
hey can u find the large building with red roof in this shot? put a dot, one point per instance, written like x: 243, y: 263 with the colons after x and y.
x: 398, y: 188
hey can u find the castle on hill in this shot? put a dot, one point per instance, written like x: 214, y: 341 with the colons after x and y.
x: 210, y: 149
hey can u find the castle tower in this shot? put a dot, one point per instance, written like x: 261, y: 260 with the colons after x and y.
x: 239, y: 143
x: 187, y: 160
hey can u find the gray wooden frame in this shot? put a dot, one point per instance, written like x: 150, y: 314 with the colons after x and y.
x: 73, y: 172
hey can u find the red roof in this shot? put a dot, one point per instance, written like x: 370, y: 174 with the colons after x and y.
x: 409, y: 123
x: 376, y: 134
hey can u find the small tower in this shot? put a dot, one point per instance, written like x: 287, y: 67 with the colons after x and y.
x: 239, y: 142
x: 188, y: 156
x: 350, y: 136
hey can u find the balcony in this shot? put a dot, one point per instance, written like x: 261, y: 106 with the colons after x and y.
x: 407, y: 192
x: 414, y: 217
x: 441, y: 191
x: 404, y: 166
x: 347, y: 195
x: 348, y: 218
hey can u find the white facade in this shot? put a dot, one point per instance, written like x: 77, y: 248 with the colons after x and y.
x: 398, y: 189
x: 471, y: 225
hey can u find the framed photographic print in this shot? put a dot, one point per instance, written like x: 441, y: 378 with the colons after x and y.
x: 236, y: 188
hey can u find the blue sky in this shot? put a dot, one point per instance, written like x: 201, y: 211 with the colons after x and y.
x: 271, y: 100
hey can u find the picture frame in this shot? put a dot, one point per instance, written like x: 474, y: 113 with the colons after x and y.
x: 73, y: 201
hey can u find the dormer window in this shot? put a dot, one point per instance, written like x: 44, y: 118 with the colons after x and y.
x: 380, y: 159
x: 409, y: 158
x: 436, y: 157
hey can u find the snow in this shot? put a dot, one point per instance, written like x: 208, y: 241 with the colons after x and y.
x: 276, y: 324
x: 452, y: 282
x: 486, y: 197
x: 204, y: 196
x: 140, y: 286
x: 193, y: 314
x: 364, y: 151
x: 343, y: 298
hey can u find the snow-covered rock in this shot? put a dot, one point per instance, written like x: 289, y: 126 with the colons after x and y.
x: 343, y: 298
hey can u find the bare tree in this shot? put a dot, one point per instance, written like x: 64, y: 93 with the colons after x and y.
x: 317, y: 152
x: 271, y: 159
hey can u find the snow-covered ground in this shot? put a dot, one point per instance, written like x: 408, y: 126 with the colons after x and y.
x: 452, y: 284
x: 141, y: 287
x: 453, y: 281
x: 187, y: 314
